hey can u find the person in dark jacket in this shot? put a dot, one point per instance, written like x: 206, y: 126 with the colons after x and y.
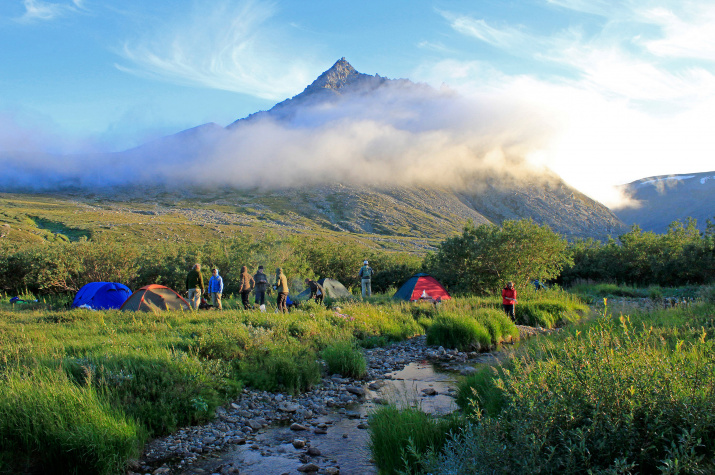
x: 508, y: 295
x: 261, y: 280
x: 317, y: 291
x: 247, y: 284
x: 195, y: 286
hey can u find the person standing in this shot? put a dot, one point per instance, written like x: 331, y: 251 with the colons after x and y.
x: 247, y: 284
x: 261, y: 281
x: 508, y: 295
x: 216, y: 289
x: 365, y: 276
x: 317, y: 291
x: 282, y: 290
x: 195, y: 286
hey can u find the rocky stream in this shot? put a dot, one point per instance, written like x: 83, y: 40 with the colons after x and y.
x: 322, y: 431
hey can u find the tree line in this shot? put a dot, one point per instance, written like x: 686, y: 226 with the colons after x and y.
x: 479, y: 261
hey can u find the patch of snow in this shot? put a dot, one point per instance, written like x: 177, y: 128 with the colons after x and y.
x: 705, y: 178
x: 681, y: 177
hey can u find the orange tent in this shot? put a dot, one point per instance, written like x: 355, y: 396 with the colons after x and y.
x: 153, y: 298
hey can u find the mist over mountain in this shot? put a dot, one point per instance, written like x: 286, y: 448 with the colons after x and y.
x: 348, y: 136
x: 657, y: 201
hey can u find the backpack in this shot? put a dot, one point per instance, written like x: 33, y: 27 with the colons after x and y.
x: 365, y: 272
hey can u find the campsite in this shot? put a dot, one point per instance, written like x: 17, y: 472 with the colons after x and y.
x: 137, y: 375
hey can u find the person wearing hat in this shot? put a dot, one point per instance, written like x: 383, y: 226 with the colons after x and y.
x: 365, y: 276
x: 261, y: 280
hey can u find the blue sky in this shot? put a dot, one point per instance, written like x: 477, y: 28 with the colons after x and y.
x: 626, y: 89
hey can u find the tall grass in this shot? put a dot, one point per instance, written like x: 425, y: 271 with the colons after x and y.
x: 345, y: 358
x: 54, y: 426
x: 398, y: 436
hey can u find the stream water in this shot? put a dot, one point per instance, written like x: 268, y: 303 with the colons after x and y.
x: 345, y: 445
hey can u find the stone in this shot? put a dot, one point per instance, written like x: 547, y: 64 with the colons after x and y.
x: 429, y: 391
x: 298, y: 443
x: 358, y: 391
x: 318, y: 430
x: 332, y: 471
x: 362, y: 425
x: 313, y: 451
x: 309, y: 467
x: 295, y: 426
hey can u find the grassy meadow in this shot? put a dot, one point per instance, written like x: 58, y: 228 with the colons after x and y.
x: 84, y: 390
x: 621, y: 393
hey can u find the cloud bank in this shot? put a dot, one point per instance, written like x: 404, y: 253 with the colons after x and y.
x: 631, y: 85
x: 398, y: 134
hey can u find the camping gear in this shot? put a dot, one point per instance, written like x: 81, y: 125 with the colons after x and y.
x: 422, y: 287
x: 102, y: 295
x: 152, y: 298
x: 333, y: 289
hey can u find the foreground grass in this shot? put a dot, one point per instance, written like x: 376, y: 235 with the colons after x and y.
x: 115, y: 379
x: 623, y: 394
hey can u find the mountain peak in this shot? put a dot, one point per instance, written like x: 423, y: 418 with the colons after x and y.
x: 339, y: 75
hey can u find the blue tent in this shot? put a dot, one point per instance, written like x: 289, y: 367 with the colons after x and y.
x: 102, y: 295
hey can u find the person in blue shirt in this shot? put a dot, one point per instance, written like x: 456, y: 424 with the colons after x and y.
x: 216, y: 289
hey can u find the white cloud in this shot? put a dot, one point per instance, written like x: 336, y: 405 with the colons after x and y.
x: 505, y: 37
x: 39, y: 10
x: 631, y: 98
x: 227, y: 46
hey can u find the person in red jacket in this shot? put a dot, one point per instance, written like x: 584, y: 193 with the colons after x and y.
x: 508, y: 295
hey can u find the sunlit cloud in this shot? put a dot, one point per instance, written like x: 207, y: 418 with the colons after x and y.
x: 640, y: 89
x: 224, y: 45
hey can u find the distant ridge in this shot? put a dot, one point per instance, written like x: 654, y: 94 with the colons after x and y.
x: 660, y: 200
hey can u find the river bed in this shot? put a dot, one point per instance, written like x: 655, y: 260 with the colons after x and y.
x: 344, y: 447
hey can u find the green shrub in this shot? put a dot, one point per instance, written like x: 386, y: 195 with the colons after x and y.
x: 398, y: 437
x: 55, y: 426
x: 548, y: 313
x: 163, y: 392
x: 463, y: 333
x: 707, y: 294
x: 345, y: 358
x: 283, y: 366
x: 499, y: 325
x: 611, y: 399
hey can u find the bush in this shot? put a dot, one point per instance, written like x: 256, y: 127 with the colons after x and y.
x: 163, y: 392
x: 610, y: 399
x: 463, y: 333
x: 398, y: 438
x: 345, y: 358
x: 283, y: 366
x: 58, y: 427
x: 548, y: 313
x: 707, y: 294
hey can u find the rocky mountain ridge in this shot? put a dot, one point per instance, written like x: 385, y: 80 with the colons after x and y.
x: 169, y: 167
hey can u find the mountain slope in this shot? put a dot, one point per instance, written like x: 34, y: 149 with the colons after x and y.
x: 660, y: 200
x: 350, y: 153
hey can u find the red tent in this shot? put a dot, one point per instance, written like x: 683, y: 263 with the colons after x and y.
x: 421, y: 286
